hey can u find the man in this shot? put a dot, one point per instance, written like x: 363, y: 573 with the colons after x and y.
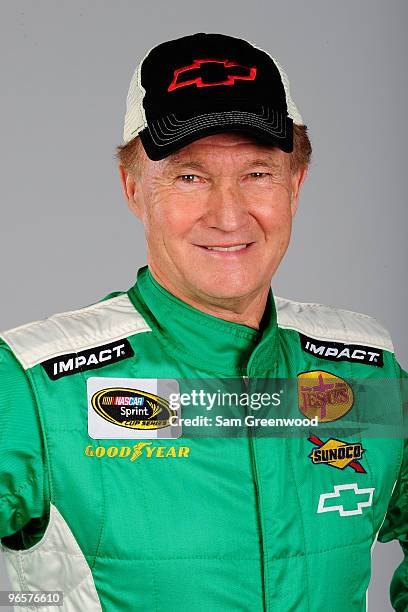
x: 102, y: 496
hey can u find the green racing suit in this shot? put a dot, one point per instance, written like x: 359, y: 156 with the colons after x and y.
x: 120, y: 522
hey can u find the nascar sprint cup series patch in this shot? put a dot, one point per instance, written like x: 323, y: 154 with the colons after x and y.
x: 131, y: 408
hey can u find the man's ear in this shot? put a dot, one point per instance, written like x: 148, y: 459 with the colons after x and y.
x: 297, y: 181
x: 131, y: 191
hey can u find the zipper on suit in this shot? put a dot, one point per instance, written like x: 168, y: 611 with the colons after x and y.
x: 246, y: 381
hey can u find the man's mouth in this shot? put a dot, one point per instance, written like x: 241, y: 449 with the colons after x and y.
x: 227, y: 248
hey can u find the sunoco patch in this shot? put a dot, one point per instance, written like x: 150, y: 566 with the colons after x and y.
x: 337, y: 453
x: 72, y: 363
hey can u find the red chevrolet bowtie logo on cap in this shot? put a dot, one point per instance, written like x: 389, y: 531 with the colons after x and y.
x: 208, y: 83
x: 207, y: 72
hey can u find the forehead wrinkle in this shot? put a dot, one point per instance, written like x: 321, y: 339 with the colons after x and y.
x: 178, y: 160
x: 268, y: 160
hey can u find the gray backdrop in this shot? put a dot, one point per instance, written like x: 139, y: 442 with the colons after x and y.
x: 66, y: 236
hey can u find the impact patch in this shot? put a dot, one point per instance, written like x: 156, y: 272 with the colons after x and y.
x: 131, y: 408
x: 72, y: 363
x: 337, y: 453
x: 338, y: 351
x: 324, y: 395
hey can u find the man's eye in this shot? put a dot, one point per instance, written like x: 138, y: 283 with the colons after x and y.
x: 187, y: 178
x: 259, y: 174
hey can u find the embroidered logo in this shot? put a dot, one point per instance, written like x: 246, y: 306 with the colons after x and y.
x: 338, y: 351
x: 324, y: 395
x: 210, y: 72
x: 336, y: 502
x: 141, y: 449
x: 72, y: 363
x: 337, y: 454
x: 132, y: 408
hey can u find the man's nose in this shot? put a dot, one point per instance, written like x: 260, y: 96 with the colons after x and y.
x: 226, y: 207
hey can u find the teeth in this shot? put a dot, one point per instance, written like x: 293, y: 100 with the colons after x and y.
x: 233, y: 248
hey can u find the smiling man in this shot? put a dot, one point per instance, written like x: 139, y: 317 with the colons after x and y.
x: 103, y: 495
x: 217, y: 218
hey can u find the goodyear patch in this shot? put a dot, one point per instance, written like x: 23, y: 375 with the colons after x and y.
x: 324, y: 395
x: 141, y: 449
x: 337, y: 453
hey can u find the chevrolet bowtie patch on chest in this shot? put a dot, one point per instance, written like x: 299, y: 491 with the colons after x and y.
x: 337, y: 453
x: 209, y: 72
x: 347, y: 500
x: 324, y: 395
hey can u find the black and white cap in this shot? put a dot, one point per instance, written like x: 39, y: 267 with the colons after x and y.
x: 203, y: 84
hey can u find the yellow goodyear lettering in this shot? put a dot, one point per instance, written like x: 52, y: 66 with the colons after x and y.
x: 141, y: 449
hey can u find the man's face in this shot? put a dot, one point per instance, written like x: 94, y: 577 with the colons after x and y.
x: 226, y: 190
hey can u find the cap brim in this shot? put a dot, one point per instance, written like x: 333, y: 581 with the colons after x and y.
x: 170, y: 133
